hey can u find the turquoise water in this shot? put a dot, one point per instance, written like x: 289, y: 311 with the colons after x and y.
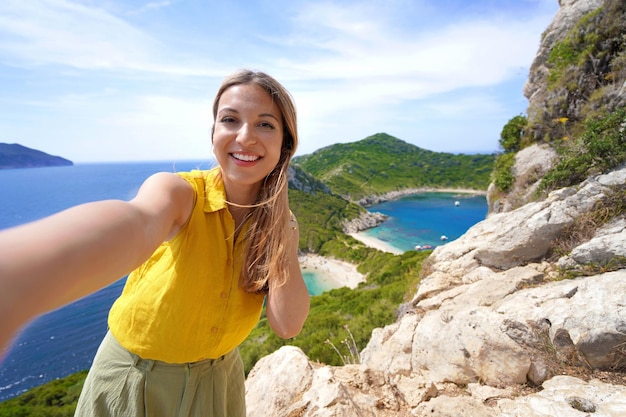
x: 422, y: 219
x: 314, y: 286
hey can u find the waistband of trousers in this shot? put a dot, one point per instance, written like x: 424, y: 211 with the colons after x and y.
x: 149, y: 364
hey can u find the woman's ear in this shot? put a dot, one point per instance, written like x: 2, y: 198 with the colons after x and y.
x: 212, y: 131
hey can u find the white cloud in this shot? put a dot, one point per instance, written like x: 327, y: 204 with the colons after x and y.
x: 63, y: 33
x: 148, y: 7
x: 41, y: 32
x: 140, y: 78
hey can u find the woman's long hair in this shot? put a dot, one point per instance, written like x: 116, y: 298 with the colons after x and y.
x: 267, y: 261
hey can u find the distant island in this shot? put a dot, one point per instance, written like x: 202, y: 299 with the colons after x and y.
x: 13, y: 155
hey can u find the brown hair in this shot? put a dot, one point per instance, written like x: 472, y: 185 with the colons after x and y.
x: 266, y: 254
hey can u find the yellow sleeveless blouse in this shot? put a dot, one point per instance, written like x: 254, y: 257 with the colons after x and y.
x: 184, y: 304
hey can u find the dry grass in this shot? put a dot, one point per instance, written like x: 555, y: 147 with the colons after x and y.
x: 585, y: 227
x: 573, y: 365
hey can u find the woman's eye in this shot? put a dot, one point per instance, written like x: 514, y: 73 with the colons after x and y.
x: 266, y: 125
x: 227, y: 119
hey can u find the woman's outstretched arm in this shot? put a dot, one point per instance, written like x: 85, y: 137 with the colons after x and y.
x: 51, y: 262
x: 288, y: 305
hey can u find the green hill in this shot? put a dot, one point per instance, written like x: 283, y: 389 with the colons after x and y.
x: 382, y: 163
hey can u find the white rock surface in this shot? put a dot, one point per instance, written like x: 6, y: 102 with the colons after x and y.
x: 488, y: 319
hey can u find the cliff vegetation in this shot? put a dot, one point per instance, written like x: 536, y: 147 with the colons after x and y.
x: 577, y: 97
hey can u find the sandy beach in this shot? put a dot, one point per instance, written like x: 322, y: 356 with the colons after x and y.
x: 331, y: 272
x: 372, y: 242
x: 396, y: 194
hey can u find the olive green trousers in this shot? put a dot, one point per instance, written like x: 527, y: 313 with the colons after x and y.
x: 122, y: 384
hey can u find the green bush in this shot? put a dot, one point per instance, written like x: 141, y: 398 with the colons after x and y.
x: 512, y: 132
x: 601, y: 147
x: 502, y: 175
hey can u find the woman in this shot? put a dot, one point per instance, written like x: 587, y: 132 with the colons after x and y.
x: 206, y: 250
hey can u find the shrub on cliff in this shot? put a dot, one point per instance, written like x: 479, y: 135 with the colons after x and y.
x: 599, y: 149
x: 512, y: 132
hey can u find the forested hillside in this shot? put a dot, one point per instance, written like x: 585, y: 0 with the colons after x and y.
x: 381, y: 163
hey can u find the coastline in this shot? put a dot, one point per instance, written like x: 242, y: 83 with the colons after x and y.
x: 369, y: 220
x: 332, y: 273
x: 394, y: 195
x: 372, y: 242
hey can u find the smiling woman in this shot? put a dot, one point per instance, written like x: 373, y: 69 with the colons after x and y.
x: 207, y: 249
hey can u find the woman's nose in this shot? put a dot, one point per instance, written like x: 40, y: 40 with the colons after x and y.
x: 245, y: 135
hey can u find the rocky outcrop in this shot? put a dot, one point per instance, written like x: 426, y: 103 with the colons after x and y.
x: 354, y: 390
x: 298, y: 179
x: 493, y: 329
x: 578, y: 74
x: 366, y: 220
x: 600, y: 76
x: 524, y: 315
x: 536, y: 87
x: 531, y: 164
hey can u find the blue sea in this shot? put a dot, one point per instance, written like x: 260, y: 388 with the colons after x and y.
x: 427, y: 219
x: 64, y: 341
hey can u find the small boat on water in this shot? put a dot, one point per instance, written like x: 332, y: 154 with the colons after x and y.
x: 444, y: 238
x: 457, y: 203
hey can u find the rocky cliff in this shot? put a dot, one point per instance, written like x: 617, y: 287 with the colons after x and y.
x: 524, y: 315
x: 578, y: 73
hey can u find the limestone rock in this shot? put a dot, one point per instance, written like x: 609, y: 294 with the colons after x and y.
x: 291, y: 375
x: 448, y: 406
x: 597, y: 328
x: 536, y: 87
x: 465, y: 348
x: 566, y: 396
x: 365, y: 221
x: 608, y: 243
x: 493, y: 327
x: 487, y: 317
x: 531, y: 164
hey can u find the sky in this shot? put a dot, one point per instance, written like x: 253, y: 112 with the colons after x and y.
x: 134, y: 80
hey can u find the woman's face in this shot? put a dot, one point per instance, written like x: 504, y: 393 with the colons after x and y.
x: 247, y: 139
